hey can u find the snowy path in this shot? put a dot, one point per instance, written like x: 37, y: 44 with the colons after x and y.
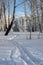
x: 9, y: 46
x: 20, y: 51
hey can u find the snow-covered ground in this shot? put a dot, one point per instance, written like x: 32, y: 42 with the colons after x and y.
x: 18, y: 49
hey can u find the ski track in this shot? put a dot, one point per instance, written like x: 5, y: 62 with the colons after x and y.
x: 24, y: 56
x: 27, y: 56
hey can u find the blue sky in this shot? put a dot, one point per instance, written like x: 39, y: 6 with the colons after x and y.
x: 19, y: 9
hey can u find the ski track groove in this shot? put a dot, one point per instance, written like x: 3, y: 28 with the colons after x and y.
x: 24, y: 55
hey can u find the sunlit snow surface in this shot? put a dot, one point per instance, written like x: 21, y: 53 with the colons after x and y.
x: 17, y: 49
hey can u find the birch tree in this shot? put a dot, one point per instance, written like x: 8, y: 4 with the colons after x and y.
x: 13, y: 18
